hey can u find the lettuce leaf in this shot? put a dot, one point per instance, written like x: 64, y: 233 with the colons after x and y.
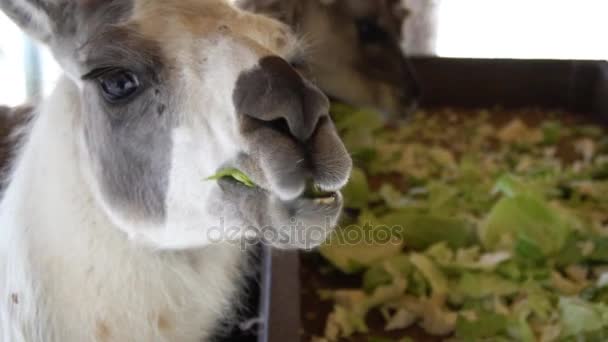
x: 420, y: 231
x: 579, y: 317
x: 235, y: 174
x: 523, y: 217
x: 485, y: 325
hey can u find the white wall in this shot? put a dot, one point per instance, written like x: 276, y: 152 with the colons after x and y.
x: 12, y: 78
x: 565, y: 29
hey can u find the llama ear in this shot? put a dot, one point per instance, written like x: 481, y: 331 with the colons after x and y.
x: 34, y: 17
x: 286, y: 11
x: 44, y: 20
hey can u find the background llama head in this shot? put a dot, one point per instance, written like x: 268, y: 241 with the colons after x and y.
x: 354, y: 52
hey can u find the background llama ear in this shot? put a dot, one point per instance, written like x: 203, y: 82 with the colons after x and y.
x: 286, y: 11
x: 45, y: 20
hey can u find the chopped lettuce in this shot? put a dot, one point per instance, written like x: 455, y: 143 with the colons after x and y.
x: 426, y: 266
x: 481, y: 285
x: 580, y: 317
x: 523, y: 217
x: 352, y: 249
x: 496, y: 233
x: 385, y: 271
x: 420, y: 231
x: 484, y: 324
x: 356, y: 193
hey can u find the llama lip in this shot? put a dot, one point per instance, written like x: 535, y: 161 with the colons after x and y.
x: 327, y: 200
x: 311, y: 195
x: 314, y: 191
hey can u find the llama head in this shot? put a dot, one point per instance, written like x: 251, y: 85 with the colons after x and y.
x: 172, y: 91
x: 354, y: 53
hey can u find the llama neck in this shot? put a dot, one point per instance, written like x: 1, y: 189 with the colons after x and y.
x: 47, y: 190
x: 94, y: 284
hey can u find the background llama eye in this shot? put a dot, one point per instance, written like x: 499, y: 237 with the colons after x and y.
x: 370, y: 32
x: 118, y: 85
x: 299, y: 63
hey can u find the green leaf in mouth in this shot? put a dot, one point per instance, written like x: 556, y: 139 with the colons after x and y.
x: 235, y: 174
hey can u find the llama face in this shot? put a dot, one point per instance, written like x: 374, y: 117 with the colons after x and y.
x: 172, y: 92
x: 354, y: 54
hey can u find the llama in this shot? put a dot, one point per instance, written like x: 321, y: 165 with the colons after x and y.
x: 355, y: 54
x: 109, y: 229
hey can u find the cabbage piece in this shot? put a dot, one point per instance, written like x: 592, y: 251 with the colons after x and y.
x: 351, y: 118
x: 344, y: 323
x: 354, y: 248
x: 348, y: 315
x: 553, y: 131
x: 357, y: 257
x: 443, y: 157
x: 526, y: 218
x: 436, y: 319
x: 426, y: 266
x: 485, y: 325
x: 511, y: 186
x: 519, y: 327
x: 517, y: 132
x: 466, y: 259
x: 385, y: 272
x: 579, y: 317
x: 357, y: 128
x: 480, y: 285
x: 540, y: 301
x: 356, y: 192
x: 565, y: 285
x: 235, y: 174
x: 420, y: 231
x: 402, y: 319
x: 352, y: 306
x: 393, y: 198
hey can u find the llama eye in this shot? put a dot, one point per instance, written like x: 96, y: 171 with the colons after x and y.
x: 118, y: 85
x: 369, y: 31
x: 299, y: 63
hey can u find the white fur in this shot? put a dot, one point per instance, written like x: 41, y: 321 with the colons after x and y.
x: 70, y: 275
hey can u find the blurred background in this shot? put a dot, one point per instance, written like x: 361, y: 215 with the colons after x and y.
x: 537, y: 29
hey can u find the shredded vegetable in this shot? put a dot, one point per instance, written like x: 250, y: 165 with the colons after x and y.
x: 498, y: 230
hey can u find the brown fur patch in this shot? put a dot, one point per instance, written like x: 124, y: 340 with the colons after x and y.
x: 163, y: 323
x: 102, y: 331
x: 201, y: 18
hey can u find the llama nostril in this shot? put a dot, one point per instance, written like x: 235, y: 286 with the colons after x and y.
x: 276, y: 95
x: 280, y: 125
x: 315, y: 105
